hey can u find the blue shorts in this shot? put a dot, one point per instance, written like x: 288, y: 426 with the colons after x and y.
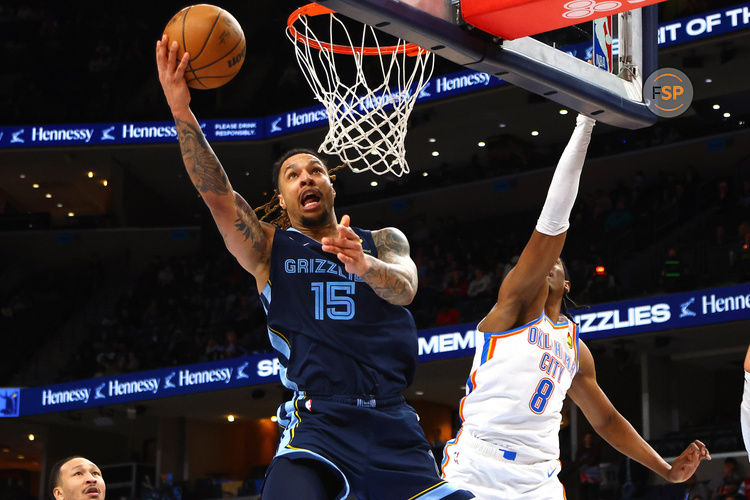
x: 376, y: 446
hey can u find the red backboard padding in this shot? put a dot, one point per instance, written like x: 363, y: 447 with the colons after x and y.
x: 510, y: 19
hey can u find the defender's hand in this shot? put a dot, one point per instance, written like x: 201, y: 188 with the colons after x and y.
x: 685, y: 465
x: 348, y: 248
x: 172, y: 75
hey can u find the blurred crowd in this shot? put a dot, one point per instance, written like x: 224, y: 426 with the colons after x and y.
x: 589, y: 477
x: 652, y: 234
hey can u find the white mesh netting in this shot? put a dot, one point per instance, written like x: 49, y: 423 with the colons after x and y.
x: 368, y: 92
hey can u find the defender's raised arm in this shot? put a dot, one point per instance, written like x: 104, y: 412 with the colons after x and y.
x: 523, y: 283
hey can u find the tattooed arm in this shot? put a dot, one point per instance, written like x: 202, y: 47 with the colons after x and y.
x: 392, y: 275
x: 248, y: 239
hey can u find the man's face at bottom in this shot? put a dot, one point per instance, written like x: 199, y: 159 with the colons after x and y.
x: 80, y: 479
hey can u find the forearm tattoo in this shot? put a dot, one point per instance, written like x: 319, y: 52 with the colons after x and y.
x: 391, y: 281
x: 201, y: 163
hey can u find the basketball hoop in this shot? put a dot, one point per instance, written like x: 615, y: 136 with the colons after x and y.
x: 367, y: 120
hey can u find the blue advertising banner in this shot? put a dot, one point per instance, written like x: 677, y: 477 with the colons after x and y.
x: 684, y: 30
x: 704, y: 25
x: 153, y: 384
x: 681, y: 310
x: 294, y: 121
x: 457, y: 83
x: 94, y: 134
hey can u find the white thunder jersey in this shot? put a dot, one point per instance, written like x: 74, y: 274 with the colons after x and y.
x: 517, y: 386
x: 745, y: 413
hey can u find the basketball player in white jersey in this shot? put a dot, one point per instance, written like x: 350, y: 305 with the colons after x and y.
x: 745, y: 406
x: 528, y: 357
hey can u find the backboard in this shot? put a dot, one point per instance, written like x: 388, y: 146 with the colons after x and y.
x: 537, y: 63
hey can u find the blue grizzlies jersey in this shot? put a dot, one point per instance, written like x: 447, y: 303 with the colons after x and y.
x: 333, y: 334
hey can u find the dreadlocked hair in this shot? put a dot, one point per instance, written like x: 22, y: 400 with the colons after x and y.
x: 567, y: 302
x: 273, y: 213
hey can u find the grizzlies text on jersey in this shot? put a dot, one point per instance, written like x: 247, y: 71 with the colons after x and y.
x: 332, y: 332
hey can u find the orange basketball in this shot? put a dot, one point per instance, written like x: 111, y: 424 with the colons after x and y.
x: 214, y: 40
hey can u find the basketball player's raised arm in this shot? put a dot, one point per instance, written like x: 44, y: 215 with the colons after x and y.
x: 617, y: 431
x: 392, y: 275
x: 523, y: 283
x: 245, y: 236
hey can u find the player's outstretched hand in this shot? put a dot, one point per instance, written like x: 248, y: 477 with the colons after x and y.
x: 348, y: 248
x: 172, y: 75
x: 684, y: 466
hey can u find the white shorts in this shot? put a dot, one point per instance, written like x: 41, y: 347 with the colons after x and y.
x: 481, y: 468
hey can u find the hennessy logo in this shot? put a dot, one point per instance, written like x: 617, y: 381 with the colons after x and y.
x: 685, y: 308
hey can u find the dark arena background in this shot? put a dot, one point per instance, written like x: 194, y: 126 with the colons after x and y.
x: 129, y: 335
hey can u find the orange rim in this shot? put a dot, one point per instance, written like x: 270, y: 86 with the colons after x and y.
x: 314, y: 9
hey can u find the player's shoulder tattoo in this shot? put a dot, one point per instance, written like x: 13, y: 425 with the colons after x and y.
x: 390, y: 240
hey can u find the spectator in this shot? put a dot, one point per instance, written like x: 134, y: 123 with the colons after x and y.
x: 165, y: 275
x: 719, y: 254
x: 232, y: 349
x: 447, y: 315
x: 481, y: 284
x: 744, y: 200
x: 457, y: 285
x: 696, y: 490
x: 587, y: 461
x: 619, y: 218
x: 726, y: 487
x: 744, y: 489
x: 213, y: 351
x: 133, y: 363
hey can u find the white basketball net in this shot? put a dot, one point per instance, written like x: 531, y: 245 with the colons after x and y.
x: 367, y: 119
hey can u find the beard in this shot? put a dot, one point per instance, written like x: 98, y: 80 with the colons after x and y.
x: 316, y: 221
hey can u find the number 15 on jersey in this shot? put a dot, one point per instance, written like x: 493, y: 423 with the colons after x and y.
x: 334, y: 299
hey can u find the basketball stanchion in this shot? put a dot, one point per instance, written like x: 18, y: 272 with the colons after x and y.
x: 368, y: 89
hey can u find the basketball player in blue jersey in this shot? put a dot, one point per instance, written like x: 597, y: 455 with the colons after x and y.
x: 528, y: 357
x: 333, y: 296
